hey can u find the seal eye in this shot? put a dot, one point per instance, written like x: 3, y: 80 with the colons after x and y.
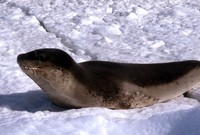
x: 40, y: 57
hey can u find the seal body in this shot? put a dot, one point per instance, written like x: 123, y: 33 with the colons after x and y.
x: 107, y: 84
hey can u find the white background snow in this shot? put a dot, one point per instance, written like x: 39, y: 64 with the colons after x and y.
x: 113, y: 30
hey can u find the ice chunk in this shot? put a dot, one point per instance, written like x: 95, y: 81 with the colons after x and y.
x: 140, y: 11
x: 158, y: 44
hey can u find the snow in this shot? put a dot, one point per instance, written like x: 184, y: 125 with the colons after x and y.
x: 123, y: 31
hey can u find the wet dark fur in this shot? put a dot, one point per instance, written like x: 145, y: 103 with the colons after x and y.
x: 144, y: 75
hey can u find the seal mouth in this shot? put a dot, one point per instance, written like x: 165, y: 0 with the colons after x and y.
x: 29, y: 68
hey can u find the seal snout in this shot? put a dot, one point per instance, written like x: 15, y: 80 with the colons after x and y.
x: 20, y: 58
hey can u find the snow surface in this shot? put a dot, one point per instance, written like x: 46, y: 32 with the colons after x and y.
x: 123, y: 31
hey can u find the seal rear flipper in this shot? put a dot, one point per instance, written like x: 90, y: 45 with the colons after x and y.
x: 193, y: 95
x: 186, y: 94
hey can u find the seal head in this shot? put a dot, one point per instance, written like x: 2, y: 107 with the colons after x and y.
x: 41, y: 57
x: 56, y: 73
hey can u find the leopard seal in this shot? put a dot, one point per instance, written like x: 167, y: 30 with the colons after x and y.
x: 107, y: 84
